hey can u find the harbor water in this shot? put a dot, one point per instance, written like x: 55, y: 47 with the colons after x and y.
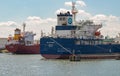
x: 35, y: 65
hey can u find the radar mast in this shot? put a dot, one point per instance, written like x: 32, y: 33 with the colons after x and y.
x: 74, y: 12
x: 24, y: 25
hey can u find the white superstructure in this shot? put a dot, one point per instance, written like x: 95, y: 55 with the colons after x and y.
x: 29, y: 38
x: 25, y: 37
x: 68, y: 27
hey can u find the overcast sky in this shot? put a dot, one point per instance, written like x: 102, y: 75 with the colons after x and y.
x: 41, y: 14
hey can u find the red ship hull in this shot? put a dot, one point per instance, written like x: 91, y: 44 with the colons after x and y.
x: 86, y: 56
x: 23, y: 49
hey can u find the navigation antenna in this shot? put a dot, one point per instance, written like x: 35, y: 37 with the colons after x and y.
x: 74, y: 12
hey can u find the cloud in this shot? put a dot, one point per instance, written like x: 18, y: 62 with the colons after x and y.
x: 51, y: 20
x: 78, y: 3
x: 34, y: 19
x: 33, y: 23
x: 36, y: 24
x: 7, y: 28
x: 81, y: 3
x: 9, y: 23
x: 68, y: 3
x: 82, y: 14
x: 111, y: 24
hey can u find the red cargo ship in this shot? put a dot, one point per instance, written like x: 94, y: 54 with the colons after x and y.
x: 22, y: 43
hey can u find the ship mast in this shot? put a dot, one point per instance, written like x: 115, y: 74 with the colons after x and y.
x: 74, y: 12
x: 24, y: 25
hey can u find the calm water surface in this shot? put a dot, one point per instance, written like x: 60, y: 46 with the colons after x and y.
x: 35, y: 65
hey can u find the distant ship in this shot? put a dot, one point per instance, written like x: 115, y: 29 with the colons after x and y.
x: 77, y: 38
x: 22, y: 42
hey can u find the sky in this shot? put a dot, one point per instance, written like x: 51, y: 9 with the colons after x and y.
x: 41, y: 14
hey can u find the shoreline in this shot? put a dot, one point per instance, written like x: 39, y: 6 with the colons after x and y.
x: 3, y: 51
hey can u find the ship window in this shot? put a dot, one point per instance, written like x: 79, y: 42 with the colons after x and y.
x: 64, y: 19
x: 77, y: 42
x: 96, y: 42
x: 86, y: 42
x: 82, y: 42
x: 91, y: 42
x: 60, y: 19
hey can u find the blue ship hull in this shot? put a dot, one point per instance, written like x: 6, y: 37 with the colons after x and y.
x: 64, y: 47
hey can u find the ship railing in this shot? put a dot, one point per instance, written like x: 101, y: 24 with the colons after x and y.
x: 29, y: 44
x: 73, y: 36
x: 12, y: 42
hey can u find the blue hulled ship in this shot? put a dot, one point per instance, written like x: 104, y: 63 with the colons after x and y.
x: 81, y: 38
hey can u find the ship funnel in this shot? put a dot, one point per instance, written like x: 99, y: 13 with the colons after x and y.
x: 17, y: 34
